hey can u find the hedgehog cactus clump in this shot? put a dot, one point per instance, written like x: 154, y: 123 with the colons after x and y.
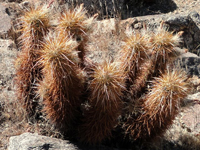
x: 136, y: 93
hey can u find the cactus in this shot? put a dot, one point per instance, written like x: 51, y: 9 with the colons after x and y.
x: 61, y: 86
x: 159, y: 106
x: 34, y: 26
x: 107, y: 85
x: 135, y: 54
x: 163, y: 46
x: 77, y: 24
x: 138, y: 91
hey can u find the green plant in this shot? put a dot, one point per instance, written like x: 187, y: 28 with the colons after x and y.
x: 134, y: 91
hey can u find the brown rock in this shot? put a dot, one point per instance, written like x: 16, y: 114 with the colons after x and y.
x: 190, y: 115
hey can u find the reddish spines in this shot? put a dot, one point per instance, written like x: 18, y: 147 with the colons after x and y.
x: 105, y: 103
x: 62, y: 86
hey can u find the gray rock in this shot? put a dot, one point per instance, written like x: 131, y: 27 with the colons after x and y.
x: 5, y: 23
x: 189, y: 23
x: 29, y: 141
x: 8, y: 53
x: 191, y: 63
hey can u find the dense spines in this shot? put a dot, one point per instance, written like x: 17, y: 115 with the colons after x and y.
x: 95, y: 97
x: 160, y: 106
x: 135, y: 50
x: 135, y: 56
x: 34, y: 26
x: 77, y: 24
x: 163, y: 44
x: 105, y: 103
x: 62, y: 86
x: 72, y: 21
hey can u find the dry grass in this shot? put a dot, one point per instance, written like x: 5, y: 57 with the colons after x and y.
x: 14, y: 121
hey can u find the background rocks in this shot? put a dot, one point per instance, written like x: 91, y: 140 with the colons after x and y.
x: 189, y: 23
x: 8, y: 54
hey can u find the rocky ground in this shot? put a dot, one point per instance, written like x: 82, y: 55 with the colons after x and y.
x: 178, y: 15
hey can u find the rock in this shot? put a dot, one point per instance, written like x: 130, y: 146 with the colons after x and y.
x: 29, y: 141
x: 191, y: 63
x: 8, y: 53
x: 190, y: 115
x: 14, y: 11
x: 189, y: 23
x: 5, y: 22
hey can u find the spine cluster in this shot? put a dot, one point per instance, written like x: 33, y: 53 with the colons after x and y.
x: 138, y: 91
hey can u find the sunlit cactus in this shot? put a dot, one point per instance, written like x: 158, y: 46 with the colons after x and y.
x: 77, y: 24
x: 135, y: 49
x: 160, y: 106
x: 163, y: 44
x: 106, y: 87
x: 135, y: 56
x: 35, y: 24
x: 135, y: 92
x: 61, y: 87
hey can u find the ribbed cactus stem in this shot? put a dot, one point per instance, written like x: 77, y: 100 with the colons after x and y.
x: 160, y: 106
x: 77, y: 24
x: 35, y: 24
x: 105, y: 103
x: 62, y: 86
x: 163, y: 44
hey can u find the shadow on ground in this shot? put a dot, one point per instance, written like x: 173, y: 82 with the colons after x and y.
x: 133, y: 8
x: 184, y: 142
x: 125, y: 8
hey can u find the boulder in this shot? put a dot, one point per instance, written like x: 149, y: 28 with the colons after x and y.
x: 190, y: 114
x: 29, y: 141
x: 191, y: 63
x: 5, y: 23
